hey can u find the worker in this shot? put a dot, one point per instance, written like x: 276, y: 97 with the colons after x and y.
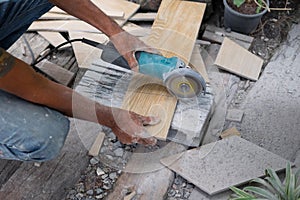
x: 33, y: 109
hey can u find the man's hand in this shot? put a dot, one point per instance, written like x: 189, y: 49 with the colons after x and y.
x: 127, y: 45
x: 129, y: 127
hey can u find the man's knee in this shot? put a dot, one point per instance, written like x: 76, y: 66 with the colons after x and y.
x: 41, y: 146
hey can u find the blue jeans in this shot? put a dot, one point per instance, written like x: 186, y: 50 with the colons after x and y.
x: 28, y: 132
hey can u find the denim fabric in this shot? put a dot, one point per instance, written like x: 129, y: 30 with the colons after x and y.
x: 30, y: 132
x: 16, y: 16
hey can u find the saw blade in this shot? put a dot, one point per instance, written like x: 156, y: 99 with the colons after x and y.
x: 184, y: 83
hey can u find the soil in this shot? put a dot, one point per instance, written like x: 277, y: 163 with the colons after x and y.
x: 248, y: 8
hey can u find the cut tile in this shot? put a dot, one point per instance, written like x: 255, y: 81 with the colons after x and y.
x: 238, y: 60
x: 217, y: 166
x: 234, y: 115
x: 230, y: 132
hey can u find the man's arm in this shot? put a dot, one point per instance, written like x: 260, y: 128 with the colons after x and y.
x: 20, y: 79
x: 124, y: 42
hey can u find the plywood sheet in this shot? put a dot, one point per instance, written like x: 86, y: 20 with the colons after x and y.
x: 174, y: 32
x: 236, y: 59
x: 176, y: 27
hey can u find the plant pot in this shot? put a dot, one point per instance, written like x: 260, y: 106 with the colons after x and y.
x: 241, y: 22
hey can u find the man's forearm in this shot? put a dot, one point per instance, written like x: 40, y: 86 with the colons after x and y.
x: 86, y: 11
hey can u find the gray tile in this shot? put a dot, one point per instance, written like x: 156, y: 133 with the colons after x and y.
x: 229, y: 162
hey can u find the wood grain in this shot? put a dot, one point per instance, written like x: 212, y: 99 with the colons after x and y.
x: 176, y: 27
x: 174, y: 32
x: 236, y: 59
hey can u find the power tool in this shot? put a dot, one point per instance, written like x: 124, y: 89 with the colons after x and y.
x: 180, y: 80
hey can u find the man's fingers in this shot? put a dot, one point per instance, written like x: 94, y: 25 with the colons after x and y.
x: 150, y: 120
x: 132, y: 62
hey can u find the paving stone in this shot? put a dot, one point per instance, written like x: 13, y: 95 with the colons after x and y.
x: 200, y: 195
x: 234, y: 115
x: 272, y: 114
x: 229, y: 162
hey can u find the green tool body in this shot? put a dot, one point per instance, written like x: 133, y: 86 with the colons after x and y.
x: 155, y: 65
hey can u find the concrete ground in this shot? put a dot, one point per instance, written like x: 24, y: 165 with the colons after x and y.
x: 272, y: 107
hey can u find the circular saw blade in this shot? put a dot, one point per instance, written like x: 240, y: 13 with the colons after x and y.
x: 184, y: 83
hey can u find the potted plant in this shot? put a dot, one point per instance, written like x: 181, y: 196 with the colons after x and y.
x: 244, y: 15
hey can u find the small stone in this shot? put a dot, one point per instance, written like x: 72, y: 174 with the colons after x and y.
x: 171, y: 193
x: 109, y: 157
x: 79, y: 195
x: 99, y: 196
x: 113, y: 175
x: 94, y: 161
x: 99, y: 191
x: 104, y: 176
x: 106, y: 187
x: 90, y: 192
x: 119, y: 152
x: 99, y: 171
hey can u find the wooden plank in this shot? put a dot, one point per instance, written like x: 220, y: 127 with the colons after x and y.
x: 86, y: 54
x: 197, y: 63
x: 58, y: 11
x: 128, y: 8
x: 173, y: 39
x: 94, y: 150
x: 54, y: 38
x: 7, y: 169
x: 145, y: 17
x: 236, y: 59
x: 53, y: 178
x: 217, y: 35
x: 56, y: 72
x: 176, y: 27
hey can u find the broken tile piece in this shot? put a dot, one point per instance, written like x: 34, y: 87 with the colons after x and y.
x: 230, y: 132
x: 234, y: 115
x: 238, y: 60
x: 217, y: 166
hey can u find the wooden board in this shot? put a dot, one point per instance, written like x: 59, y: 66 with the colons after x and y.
x: 128, y: 8
x: 86, y: 54
x: 58, y: 11
x: 236, y: 59
x: 176, y: 27
x: 173, y: 39
x: 56, y: 72
x: 94, y: 150
x: 217, y: 35
x: 54, y: 38
x: 145, y: 17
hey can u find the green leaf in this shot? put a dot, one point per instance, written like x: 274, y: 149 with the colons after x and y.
x: 238, y: 3
x: 261, y: 192
x: 287, y: 176
x: 297, y: 192
x: 297, y: 176
x: 240, y: 192
x: 291, y: 188
x: 264, y: 183
x: 275, y: 182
